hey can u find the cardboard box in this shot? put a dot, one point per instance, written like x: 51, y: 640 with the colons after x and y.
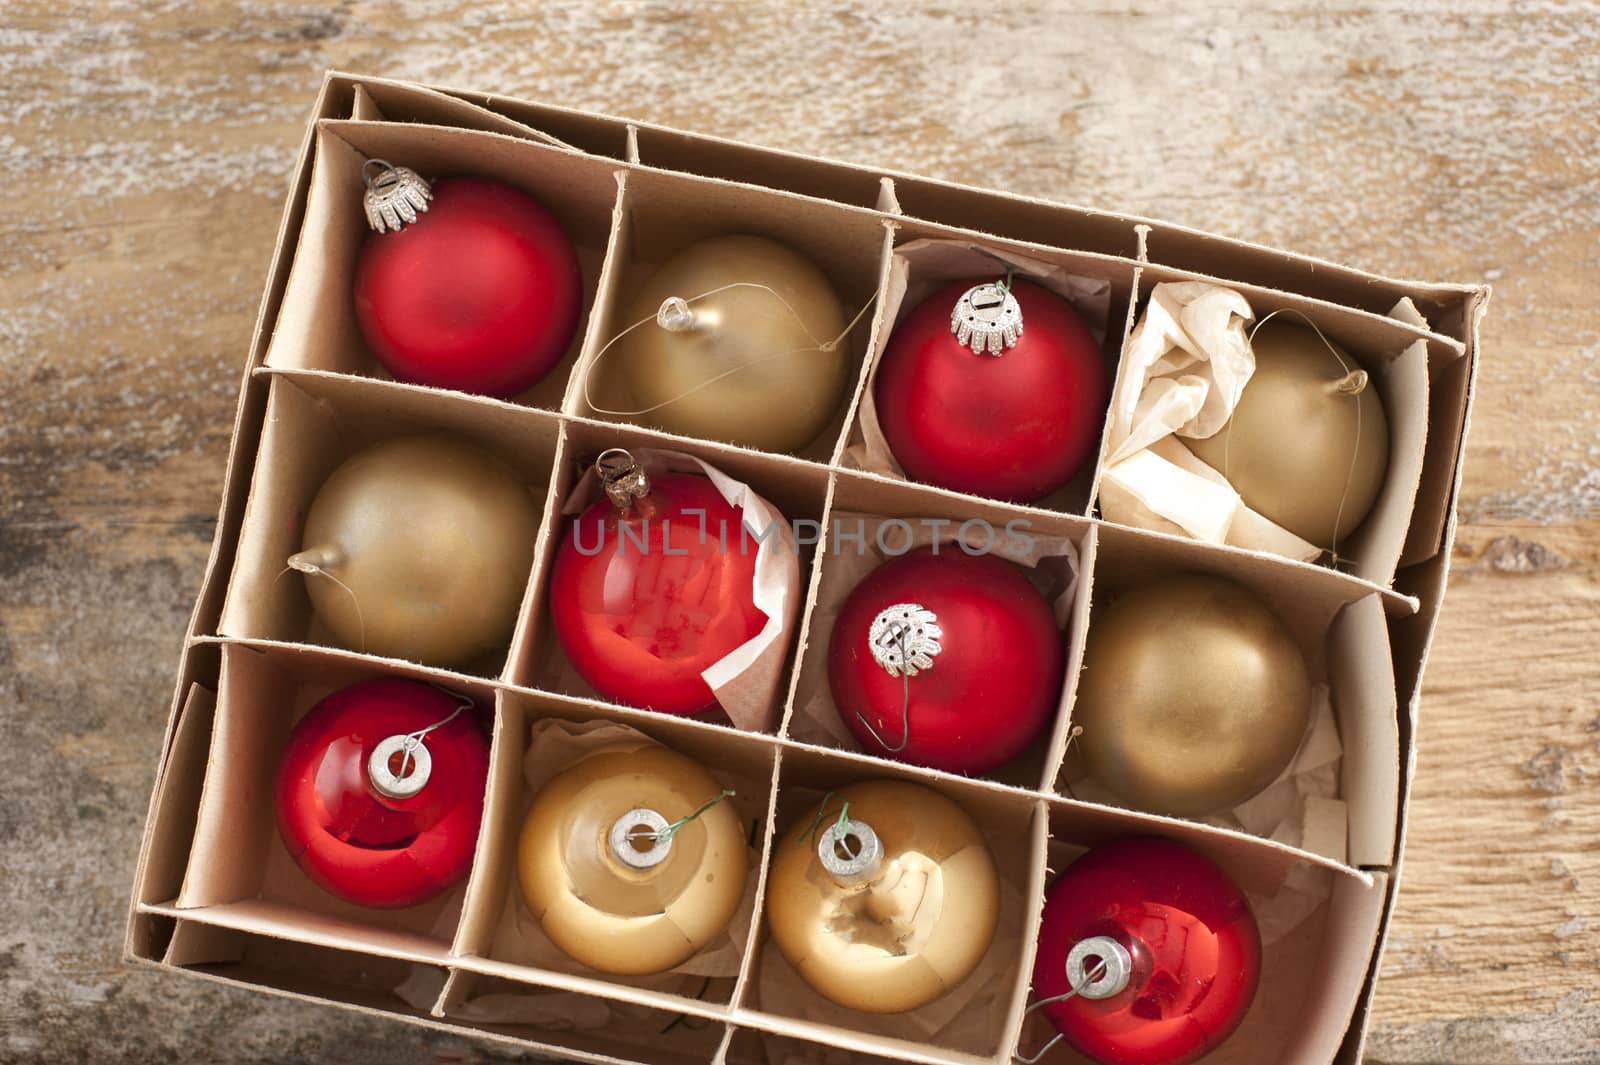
x: 216, y: 894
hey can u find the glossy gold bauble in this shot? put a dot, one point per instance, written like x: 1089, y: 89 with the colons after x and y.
x: 913, y: 927
x: 420, y: 548
x: 743, y: 361
x: 1193, y: 696
x: 659, y: 911
x: 1308, y: 444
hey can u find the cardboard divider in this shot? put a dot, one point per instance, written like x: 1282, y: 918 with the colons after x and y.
x: 533, y: 616
x: 176, y: 804
x: 240, y: 874
x: 1318, y: 927
x: 1447, y: 426
x: 967, y: 1022
x: 1021, y: 218
x: 1099, y: 288
x: 773, y: 168
x: 667, y: 212
x: 871, y: 522
x: 1187, y: 249
x: 315, y: 420
x: 570, y: 1024
x: 749, y: 1046
x: 1400, y: 356
x: 317, y: 329
x: 418, y: 105
x: 796, y: 489
x: 363, y: 108
x: 198, y: 943
x: 1341, y: 628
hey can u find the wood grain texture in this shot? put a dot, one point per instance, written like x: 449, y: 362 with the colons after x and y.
x: 145, y: 152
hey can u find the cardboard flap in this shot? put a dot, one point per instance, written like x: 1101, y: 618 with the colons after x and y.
x: 1402, y: 383
x: 399, y: 102
x: 1365, y: 704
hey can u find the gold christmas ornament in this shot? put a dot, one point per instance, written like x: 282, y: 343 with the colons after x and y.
x: 737, y: 345
x: 420, y: 547
x: 631, y: 860
x: 1193, y: 696
x: 889, y: 907
x: 1307, y: 446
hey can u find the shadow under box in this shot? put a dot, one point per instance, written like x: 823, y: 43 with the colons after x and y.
x: 1098, y: 289
x: 1338, y: 795
x: 873, y: 522
x: 239, y: 872
x: 661, y: 215
x: 316, y: 326
x: 1317, y: 923
x: 502, y: 937
x: 795, y: 490
x: 971, y: 1018
x: 313, y: 423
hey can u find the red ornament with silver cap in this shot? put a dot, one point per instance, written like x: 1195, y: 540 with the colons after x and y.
x: 946, y: 660
x: 654, y: 585
x: 380, y: 792
x: 1148, y: 954
x: 468, y: 284
x: 994, y: 388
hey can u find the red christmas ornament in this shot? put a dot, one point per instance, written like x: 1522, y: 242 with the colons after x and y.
x: 380, y: 792
x: 1148, y: 954
x: 481, y: 293
x: 972, y: 401
x: 946, y: 660
x: 653, y: 586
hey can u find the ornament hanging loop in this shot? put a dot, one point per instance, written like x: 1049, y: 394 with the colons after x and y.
x: 416, y: 763
x: 395, y: 195
x: 674, y: 315
x: 622, y: 477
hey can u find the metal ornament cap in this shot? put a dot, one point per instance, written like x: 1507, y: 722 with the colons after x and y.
x: 850, y: 852
x: 626, y: 830
x: 416, y: 766
x: 904, y: 638
x: 986, y: 319
x: 1106, y: 976
x: 395, y: 195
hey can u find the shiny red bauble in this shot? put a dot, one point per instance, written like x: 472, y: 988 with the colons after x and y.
x: 992, y: 684
x: 646, y: 600
x: 482, y: 293
x: 353, y: 840
x: 1016, y: 425
x: 1191, y: 940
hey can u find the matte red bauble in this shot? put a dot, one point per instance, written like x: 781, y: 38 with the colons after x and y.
x: 380, y: 792
x: 1160, y: 946
x: 653, y: 586
x: 992, y: 392
x: 481, y: 293
x: 948, y: 660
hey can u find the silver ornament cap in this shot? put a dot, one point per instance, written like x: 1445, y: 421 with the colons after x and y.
x: 987, y: 319
x: 904, y: 638
x: 395, y: 195
x: 416, y: 766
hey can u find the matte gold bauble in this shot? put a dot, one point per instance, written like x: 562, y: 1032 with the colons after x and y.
x: 738, y: 356
x: 420, y: 548
x: 1308, y: 444
x: 602, y: 881
x: 889, y: 909
x: 1193, y: 696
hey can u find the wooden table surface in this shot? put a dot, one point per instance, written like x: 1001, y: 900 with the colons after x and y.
x: 144, y: 160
